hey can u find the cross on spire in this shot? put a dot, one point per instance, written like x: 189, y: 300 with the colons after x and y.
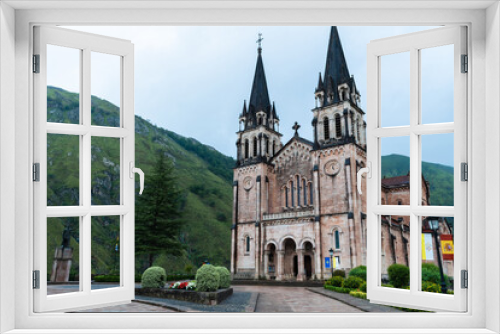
x: 259, y: 41
x: 296, y: 127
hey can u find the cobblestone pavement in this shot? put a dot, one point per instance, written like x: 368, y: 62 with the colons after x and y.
x: 237, y: 302
x: 271, y: 299
x: 133, y: 307
x: 294, y: 299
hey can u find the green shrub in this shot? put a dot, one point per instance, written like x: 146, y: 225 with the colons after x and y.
x: 353, y: 282
x: 338, y: 289
x: 359, y: 271
x: 430, y: 273
x: 399, y: 275
x: 225, y: 277
x: 154, y: 277
x: 362, y: 288
x: 430, y: 287
x: 388, y: 285
x: 336, y: 281
x: 339, y: 272
x: 358, y: 294
x: 207, y: 278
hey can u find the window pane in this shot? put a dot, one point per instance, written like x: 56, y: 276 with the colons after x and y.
x: 437, y: 254
x: 395, y: 169
x: 106, y: 89
x: 105, y: 252
x: 395, y: 89
x: 437, y: 169
x: 63, y: 84
x: 63, y: 170
x: 63, y: 255
x: 395, y: 251
x: 105, y: 171
x: 437, y: 84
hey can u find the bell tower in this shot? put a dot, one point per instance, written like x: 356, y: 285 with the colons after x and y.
x: 258, y: 136
x: 338, y: 118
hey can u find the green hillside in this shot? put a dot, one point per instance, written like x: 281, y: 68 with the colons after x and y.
x: 203, y: 173
x: 440, y: 177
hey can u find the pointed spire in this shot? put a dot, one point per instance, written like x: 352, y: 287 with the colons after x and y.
x: 320, y: 84
x: 336, y: 66
x: 336, y: 70
x: 244, y: 108
x: 275, y: 114
x: 259, y: 98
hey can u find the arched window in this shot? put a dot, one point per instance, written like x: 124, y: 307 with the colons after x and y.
x: 247, y: 243
x: 336, y: 239
x: 274, y: 147
x: 246, y: 148
x: 326, y: 128
x: 267, y: 146
x: 304, y: 186
x: 353, y: 125
x: 299, y: 188
x: 259, y: 120
x: 293, y: 194
x: 286, y: 197
x: 311, y: 197
x: 358, y: 129
x: 255, y: 146
x: 338, y: 126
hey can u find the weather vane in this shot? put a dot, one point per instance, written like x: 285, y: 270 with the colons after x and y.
x: 259, y: 40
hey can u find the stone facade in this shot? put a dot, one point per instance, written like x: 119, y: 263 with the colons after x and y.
x: 295, y: 202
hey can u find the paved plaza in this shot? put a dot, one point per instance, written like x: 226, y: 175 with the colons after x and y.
x: 264, y: 299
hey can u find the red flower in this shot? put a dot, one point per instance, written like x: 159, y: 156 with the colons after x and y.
x: 183, y: 285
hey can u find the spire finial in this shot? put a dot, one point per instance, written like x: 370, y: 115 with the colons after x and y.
x: 296, y: 127
x: 259, y: 42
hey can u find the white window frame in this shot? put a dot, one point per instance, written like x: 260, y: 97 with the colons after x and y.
x: 413, y: 44
x: 483, y: 21
x: 85, y: 43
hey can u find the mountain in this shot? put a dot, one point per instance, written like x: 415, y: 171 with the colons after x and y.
x: 440, y: 177
x: 204, y: 176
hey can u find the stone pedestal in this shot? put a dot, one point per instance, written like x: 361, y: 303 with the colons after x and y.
x: 61, y: 267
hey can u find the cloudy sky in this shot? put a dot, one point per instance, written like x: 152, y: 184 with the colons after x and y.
x: 193, y: 80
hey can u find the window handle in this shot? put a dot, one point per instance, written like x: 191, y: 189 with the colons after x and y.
x: 139, y: 171
x: 367, y: 170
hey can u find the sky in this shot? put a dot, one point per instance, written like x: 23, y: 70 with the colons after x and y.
x: 193, y: 79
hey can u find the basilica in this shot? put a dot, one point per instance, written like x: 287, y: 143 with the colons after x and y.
x: 296, y: 212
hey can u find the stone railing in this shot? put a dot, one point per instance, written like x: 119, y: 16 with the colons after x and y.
x: 286, y: 215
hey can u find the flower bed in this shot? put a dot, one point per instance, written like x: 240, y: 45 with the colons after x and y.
x: 207, y: 298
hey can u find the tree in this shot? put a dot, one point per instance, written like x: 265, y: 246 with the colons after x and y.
x: 158, y: 217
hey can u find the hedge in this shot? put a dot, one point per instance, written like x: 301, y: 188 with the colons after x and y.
x: 207, y: 278
x: 353, y: 282
x: 359, y: 271
x: 154, y: 277
x: 358, y: 294
x: 399, y: 275
x: 337, y: 289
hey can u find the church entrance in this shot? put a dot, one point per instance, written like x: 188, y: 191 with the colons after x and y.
x: 290, y: 260
x: 308, y: 266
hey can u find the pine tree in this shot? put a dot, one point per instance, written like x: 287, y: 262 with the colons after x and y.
x: 158, y: 217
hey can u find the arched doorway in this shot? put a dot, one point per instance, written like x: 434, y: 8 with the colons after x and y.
x: 271, y: 261
x: 290, y: 260
x: 308, y: 266
x: 308, y: 251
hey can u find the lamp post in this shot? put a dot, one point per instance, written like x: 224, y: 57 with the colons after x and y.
x: 331, y: 259
x: 434, y: 225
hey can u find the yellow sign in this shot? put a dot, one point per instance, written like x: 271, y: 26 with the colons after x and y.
x: 447, y: 246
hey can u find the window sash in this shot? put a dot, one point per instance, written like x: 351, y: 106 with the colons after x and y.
x: 413, y: 297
